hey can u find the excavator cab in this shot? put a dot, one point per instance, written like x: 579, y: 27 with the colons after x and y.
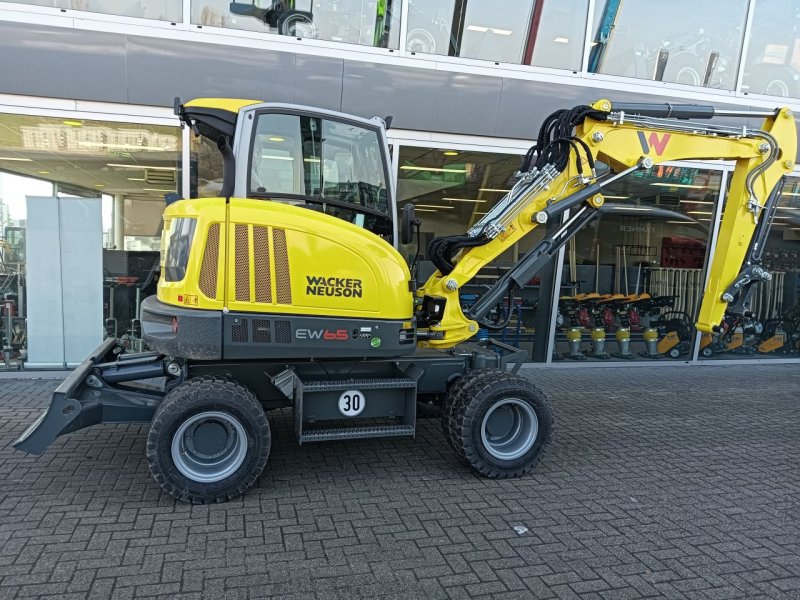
x: 330, y: 162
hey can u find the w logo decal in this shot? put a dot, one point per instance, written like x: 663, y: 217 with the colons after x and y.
x: 659, y: 144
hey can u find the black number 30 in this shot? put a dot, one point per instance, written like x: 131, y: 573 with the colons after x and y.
x: 352, y: 403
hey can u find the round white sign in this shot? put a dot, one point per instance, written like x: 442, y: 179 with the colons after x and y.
x: 351, y: 403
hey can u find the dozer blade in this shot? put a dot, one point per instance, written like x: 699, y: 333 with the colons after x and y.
x: 75, y: 405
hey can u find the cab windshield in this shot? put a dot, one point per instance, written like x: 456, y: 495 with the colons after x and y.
x: 336, y: 167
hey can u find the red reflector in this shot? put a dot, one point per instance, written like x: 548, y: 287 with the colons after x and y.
x: 180, y: 298
x: 174, y: 325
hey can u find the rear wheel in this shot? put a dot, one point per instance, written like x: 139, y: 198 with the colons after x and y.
x: 498, y: 423
x: 209, y: 441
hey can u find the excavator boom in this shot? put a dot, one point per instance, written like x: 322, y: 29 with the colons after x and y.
x: 559, y: 175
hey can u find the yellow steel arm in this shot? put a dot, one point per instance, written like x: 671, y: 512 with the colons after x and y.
x: 626, y: 142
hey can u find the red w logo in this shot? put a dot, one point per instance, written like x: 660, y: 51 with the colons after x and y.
x: 658, y: 144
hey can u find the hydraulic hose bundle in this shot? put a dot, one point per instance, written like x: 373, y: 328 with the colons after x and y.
x: 555, y: 142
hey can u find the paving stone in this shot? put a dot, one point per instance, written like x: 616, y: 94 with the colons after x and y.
x: 680, y: 483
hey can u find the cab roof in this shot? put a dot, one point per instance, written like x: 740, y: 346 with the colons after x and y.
x: 212, y: 116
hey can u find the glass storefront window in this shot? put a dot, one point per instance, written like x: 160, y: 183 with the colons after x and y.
x: 162, y: 10
x: 365, y: 22
x: 771, y: 329
x: 559, y: 34
x: 691, y: 43
x: 772, y: 64
x: 632, y: 279
x: 451, y: 190
x: 495, y: 31
x: 131, y: 167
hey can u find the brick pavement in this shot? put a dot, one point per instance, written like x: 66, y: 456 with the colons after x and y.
x: 673, y: 482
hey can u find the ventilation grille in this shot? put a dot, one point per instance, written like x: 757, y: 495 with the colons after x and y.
x: 283, y: 332
x: 261, y: 331
x: 242, y: 263
x: 208, y: 269
x: 261, y: 264
x: 239, y: 332
x: 283, y: 283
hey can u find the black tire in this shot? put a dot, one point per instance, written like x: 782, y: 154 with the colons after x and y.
x: 192, y: 398
x: 480, y: 392
x: 447, y: 412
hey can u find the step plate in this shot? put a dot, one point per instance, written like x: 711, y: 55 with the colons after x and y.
x: 362, y: 384
x: 354, y: 433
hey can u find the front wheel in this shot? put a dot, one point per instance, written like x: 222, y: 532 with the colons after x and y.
x: 209, y: 441
x: 498, y: 423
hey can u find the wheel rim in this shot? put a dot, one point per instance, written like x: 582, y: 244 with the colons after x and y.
x: 420, y: 40
x: 509, y: 429
x: 209, y: 446
x: 776, y: 87
x: 688, y: 76
x: 300, y: 26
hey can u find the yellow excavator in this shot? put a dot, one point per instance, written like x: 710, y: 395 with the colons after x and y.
x: 288, y: 290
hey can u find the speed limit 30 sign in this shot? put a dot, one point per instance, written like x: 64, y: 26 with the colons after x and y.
x: 351, y: 403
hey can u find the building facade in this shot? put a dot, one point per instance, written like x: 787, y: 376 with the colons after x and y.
x: 86, y: 121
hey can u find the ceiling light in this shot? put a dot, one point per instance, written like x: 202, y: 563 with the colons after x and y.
x: 276, y: 138
x: 272, y: 157
x: 695, y: 202
x: 155, y: 190
x: 311, y: 160
x: 494, y: 190
x: 698, y: 212
x: 122, y: 146
x: 72, y: 123
x: 424, y: 210
x: 477, y: 28
x: 435, y: 169
x: 615, y: 197
x: 561, y: 40
x: 464, y: 200
x: 99, y: 185
x: 450, y: 153
x: 436, y: 206
x: 680, y: 185
x: 136, y: 179
x: 502, y: 31
x: 43, y: 172
x: 14, y: 158
x: 154, y: 168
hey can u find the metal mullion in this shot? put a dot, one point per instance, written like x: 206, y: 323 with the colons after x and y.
x: 403, y: 26
x: 587, y: 43
x: 745, y: 45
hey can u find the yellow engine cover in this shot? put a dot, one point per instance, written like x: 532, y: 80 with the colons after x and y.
x: 268, y: 257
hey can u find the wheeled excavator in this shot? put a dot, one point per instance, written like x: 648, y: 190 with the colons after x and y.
x: 288, y: 290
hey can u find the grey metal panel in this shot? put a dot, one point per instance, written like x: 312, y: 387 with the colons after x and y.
x: 407, y: 94
x: 159, y: 70
x: 318, y: 81
x: 465, y: 98
x: 112, y: 67
x: 62, y: 63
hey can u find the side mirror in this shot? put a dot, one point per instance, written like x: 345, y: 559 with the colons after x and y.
x: 407, y: 223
